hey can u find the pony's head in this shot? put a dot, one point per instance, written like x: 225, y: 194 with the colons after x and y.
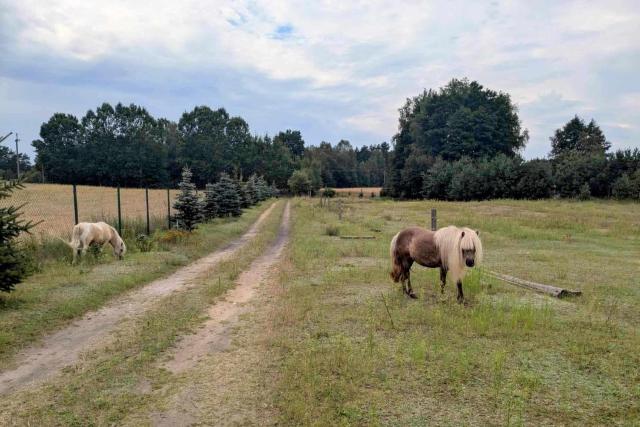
x: 470, y: 247
x: 119, y: 248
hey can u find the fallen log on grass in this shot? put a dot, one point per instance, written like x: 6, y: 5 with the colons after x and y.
x: 538, y: 287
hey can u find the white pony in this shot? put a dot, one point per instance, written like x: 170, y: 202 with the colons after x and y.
x: 86, y: 233
x: 450, y: 248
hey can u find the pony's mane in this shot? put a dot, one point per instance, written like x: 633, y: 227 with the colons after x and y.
x: 450, y: 243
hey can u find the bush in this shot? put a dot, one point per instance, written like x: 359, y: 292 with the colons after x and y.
x: 331, y: 230
x: 172, y: 236
x: 585, y: 192
x: 436, y: 180
x: 329, y: 192
x: 623, y: 188
x: 465, y: 181
x: 299, y: 183
x: 573, y: 170
x: 13, y: 259
x: 536, y: 180
x: 144, y: 243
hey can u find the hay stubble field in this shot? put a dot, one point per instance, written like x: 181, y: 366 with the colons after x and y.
x: 51, y: 205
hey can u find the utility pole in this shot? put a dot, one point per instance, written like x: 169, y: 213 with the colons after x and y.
x: 17, y: 157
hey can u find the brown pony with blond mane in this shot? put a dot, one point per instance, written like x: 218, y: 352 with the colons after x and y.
x: 450, y: 248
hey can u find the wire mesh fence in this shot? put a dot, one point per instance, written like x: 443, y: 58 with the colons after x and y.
x: 52, y: 206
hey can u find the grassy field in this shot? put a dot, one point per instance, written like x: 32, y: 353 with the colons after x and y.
x: 508, y: 357
x: 52, y: 204
x: 333, y: 342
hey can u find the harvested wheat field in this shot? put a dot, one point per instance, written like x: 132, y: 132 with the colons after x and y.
x: 355, y: 191
x: 52, y: 205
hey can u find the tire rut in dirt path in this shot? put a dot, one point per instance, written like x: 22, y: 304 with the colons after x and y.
x: 64, y: 347
x: 216, y: 334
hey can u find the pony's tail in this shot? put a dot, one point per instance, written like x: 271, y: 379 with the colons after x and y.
x: 396, y: 272
x: 65, y: 242
x: 396, y: 266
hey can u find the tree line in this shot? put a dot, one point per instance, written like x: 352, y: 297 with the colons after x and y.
x: 460, y: 142
x: 463, y: 142
x: 125, y: 145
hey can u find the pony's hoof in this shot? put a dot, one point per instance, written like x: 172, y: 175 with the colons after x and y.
x: 460, y: 300
x: 412, y: 295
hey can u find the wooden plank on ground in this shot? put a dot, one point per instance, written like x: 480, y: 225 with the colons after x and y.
x: 538, y: 287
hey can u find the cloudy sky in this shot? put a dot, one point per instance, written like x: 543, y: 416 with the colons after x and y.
x: 332, y: 69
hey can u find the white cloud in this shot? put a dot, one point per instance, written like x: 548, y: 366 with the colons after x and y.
x: 363, y: 58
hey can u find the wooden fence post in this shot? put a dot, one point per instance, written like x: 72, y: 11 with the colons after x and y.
x: 169, y: 208
x: 434, y: 220
x: 146, y: 199
x: 119, y: 212
x: 75, y: 204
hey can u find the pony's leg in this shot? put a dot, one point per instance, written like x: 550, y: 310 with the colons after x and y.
x: 460, y: 294
x: 443, y: 279
x: 76, y: 252
x: 409, y: 289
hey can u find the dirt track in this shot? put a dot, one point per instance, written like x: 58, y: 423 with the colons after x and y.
x: 64, y: 347
x: 215, y: 337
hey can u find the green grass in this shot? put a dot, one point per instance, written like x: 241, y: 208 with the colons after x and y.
x: 343, y: 346
x: 104, y: 387
x: 60, y: 292
x: 509, y: 357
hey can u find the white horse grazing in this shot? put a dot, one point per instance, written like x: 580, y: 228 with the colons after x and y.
x: 86, y: 233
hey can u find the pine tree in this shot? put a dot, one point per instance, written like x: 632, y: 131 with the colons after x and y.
x: 210, y: 209
x: 273, y: 191
x: 246, y: 194
x: 227, y: 198
x: 261, y: 189
x: 250, y: 190
x: 188, y: 204
x: 14, y: 261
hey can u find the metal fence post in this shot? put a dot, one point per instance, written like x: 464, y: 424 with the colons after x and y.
x: 434, y: 221
x: 119, y: 212
x: 75, y: 204
x: 146, y: 198
x: 169, y: 208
